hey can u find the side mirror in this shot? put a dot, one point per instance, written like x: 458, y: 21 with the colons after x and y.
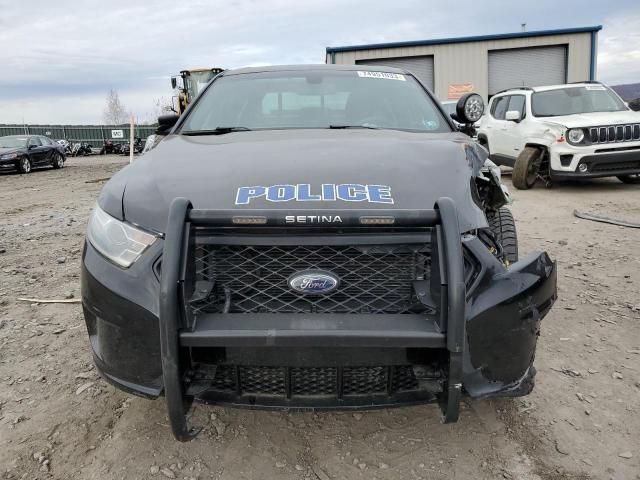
x: 469, y: 109
x: 31, y: 147
x: 166, y: 123
x: 174, y: 82
x: 512, y: 116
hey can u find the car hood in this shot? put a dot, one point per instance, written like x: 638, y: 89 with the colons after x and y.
x: 209, y: 171
x: 595, y: 119
x: 5, y: 150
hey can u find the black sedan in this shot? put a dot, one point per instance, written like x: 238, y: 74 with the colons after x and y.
x: 26, y: 152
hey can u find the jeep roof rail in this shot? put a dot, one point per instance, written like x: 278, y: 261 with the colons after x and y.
x: 586, y: 81
x: 513, y: 88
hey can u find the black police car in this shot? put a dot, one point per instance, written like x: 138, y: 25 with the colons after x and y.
x: 312, y: 237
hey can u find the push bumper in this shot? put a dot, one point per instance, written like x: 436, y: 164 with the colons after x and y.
x: 482, y: 334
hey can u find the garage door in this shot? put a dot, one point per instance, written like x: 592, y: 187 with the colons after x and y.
x: 421, y: 67
x: 529, y: 67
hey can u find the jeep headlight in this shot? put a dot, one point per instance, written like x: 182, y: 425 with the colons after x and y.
x: 575, y: 135
x: 119, y: 242
x: 8, y: 156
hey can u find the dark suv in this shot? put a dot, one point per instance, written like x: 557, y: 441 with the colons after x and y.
x: 312, y: 237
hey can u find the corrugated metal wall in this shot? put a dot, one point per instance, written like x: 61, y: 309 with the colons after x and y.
x: 421, y: 67
x: 469, y: 61
x: 530, y: 67
x: 93, y: 134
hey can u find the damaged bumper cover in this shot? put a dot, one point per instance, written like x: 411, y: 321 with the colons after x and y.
x: 477, y: 335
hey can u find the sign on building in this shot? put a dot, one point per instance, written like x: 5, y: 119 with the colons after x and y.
x: 117, y: 133
x: 456, y: 90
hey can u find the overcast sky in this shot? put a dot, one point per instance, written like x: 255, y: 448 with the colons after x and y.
x: 58, y: 59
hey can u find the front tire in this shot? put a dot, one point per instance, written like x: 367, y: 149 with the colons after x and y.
x: 503, y: 227
x: 630, y: 179
x: 24, y: 165
x: 58, y: 161
x: 526, y: 168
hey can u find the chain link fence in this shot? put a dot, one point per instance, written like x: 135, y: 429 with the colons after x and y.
x: 92, y: 134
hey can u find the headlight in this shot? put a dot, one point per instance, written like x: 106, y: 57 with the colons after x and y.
x: 575, y: 135
x: 117, y: 241
x: 8, y: 156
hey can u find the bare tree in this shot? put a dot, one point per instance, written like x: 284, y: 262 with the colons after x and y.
x: 162, y: 105
x: 114, y: 113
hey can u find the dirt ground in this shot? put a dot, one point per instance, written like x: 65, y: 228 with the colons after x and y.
x: 59, y: 420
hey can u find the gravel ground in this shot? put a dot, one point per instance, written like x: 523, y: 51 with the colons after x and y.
x: 59, y: 420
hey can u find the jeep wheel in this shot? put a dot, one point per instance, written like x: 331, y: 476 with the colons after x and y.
x: 503, y: 227
x: 24, y: 166
x: 58, y: 161
x: 526, y: 168
x: 630, y: 179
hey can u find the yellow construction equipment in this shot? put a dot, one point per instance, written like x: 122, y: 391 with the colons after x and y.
x: 193, y: 81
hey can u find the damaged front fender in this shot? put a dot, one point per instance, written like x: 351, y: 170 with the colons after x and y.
x: 504, y: 309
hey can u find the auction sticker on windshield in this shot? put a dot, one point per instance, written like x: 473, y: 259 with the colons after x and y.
x: 383, y: 75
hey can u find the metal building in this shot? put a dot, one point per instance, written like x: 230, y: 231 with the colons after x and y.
x: 485, y: 64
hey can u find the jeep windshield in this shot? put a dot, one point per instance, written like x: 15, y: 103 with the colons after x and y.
x: 572, y: 100
x: 290, y: 99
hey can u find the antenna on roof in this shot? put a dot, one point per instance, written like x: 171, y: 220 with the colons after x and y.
x: 524, y: 26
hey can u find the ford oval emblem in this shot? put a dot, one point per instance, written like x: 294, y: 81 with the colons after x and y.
x: 313, y: 282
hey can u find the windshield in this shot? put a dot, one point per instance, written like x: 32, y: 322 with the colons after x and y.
x: 12, y: 142
x: 570, y: 100
x: 316, y: 99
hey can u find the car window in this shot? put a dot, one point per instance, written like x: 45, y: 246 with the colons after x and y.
x: 572, y: 100
x: 516, y: 103
x: 316, y: 99
x: 499, y: 107
x: 12, y: 142
x: 45, y: 141
x: 34, y: 141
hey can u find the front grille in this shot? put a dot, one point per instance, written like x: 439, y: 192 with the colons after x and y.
x: 265, y: 380
x: 254, y: 279
x: 615, y: 133
x: 315, y: 381
x: 365, y: 380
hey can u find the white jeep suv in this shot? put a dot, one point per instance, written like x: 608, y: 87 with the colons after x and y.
x: 573, y: 131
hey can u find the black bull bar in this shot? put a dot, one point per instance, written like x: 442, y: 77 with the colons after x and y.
x: 450, y: 331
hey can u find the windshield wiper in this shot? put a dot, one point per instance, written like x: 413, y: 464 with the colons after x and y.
x: 216, y: 131
x: 342, y: 127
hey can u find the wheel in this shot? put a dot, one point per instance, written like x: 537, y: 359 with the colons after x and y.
x: 58, y: 161
x: 503, y: 227
x: 526, y: 168
x: 633, y: 179
x: 25, y: 165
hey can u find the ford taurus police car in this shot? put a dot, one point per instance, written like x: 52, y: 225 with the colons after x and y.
x: 312, y: 237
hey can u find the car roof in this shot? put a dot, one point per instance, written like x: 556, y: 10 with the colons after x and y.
x: 544, y: 88
x: 565, y: 85
x: 313, y: 68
